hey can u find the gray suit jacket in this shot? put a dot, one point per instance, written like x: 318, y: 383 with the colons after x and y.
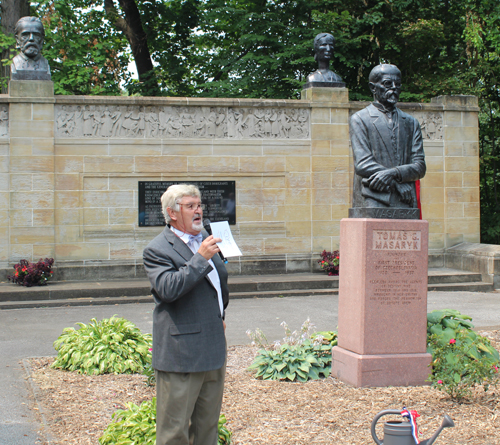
x: 372, y: 152
x: 188, y: 334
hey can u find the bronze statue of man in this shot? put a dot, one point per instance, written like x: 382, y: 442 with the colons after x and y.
x: 324, y: 45
x: 387, y: 149
x: 29, y: 64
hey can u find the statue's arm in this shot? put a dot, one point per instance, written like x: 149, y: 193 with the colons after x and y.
x: 416, y: 168
x: 364, y: 162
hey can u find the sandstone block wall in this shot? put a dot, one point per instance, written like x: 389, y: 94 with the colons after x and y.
x: 70, y: 167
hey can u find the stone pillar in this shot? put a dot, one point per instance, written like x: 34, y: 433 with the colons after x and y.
x: 31, y: 170
x: 382, y: 303
x: 331, y: 185
x: 461, y: 169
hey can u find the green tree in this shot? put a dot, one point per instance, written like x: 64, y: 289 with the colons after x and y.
x: 86, y: 54
x: 11, y: 12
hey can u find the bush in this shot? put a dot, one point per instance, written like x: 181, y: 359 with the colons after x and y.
x: 137, y: 425
x: 32, y: 274
x: 461, y: 359
x: 112, y: 345
x: 330, y: 262
x: 301, y: 357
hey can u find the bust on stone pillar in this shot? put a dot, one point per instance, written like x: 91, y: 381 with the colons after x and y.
x: 324, y: 45
x: 29, y: 64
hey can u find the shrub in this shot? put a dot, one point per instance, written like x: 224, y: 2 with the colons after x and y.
x: 461, y: 359
x: 112, y: 345
x: 447, y: 323
x: 137, y: 425
x: 32, y: 274
x: 301, y: 357
x: 329, y: 262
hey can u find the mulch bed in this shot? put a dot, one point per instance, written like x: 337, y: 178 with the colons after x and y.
x: 78, y: 408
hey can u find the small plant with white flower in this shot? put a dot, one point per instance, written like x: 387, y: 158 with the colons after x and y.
x: 302, y: 356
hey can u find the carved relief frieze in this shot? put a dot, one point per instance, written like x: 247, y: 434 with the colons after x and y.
x: 431, y: 124
x: 4, y: 120
x: 183, y: 122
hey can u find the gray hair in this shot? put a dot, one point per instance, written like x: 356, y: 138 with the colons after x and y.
x: 174, y: 194
x: 22, y: 20
x: 384, y: 68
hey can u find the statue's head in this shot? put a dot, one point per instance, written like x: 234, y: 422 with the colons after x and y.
x: 324, y: 44
x: 29, y: 34
x: 385, y: 84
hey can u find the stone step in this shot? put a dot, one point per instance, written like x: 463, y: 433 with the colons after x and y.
x: 249, y: 286
x: 445, y: 275
x: 284, y: 293
x: 462, y: 287
x: 74, y: 302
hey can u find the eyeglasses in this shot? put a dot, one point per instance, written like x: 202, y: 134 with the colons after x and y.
x: 193, y: 206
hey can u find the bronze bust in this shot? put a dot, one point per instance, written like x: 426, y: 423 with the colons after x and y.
x: 388, y: 152
x: 324, y: 45
x: 29, y: 64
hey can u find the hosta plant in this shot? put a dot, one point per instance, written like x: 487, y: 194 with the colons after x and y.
x: 300, y: 357
x: 112, y: 345
x: 137, y: 425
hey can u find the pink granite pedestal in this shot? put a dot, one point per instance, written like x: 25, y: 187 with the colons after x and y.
x: 382, y: 303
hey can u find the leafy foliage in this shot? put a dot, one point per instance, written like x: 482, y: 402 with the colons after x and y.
x: 330, y: 262
x: 112, y: 345
x: 457, y: 367
x: 224, y: 433
x: 87, y: 56
x: 149, y: 372
x: 329, y: 337
x: 461, y: 359
x: 32, y: 274
x: 301, y: 357
x: 137, y: 425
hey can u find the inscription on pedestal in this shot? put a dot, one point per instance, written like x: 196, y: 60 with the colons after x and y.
x: 397, y: 240
x: 396, y: 285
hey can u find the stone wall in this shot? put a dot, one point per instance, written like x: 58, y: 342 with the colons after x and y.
x: 70, y: 167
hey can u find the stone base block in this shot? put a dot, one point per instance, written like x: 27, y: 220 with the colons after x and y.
x: 380, y: 370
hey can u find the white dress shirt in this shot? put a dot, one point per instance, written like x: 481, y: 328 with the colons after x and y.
x: 193, y: 242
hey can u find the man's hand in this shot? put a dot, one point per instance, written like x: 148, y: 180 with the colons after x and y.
x: 209, y: 247
x: 382, y: 180
x: 404, y: 189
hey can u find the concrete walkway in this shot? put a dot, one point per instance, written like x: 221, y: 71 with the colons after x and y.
x: 31, y: 332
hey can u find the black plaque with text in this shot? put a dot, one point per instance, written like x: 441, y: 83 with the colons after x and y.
x: 218, y: 196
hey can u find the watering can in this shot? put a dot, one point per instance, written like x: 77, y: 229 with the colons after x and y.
x: 400, y: 432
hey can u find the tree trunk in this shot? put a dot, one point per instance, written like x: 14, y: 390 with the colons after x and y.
x: 131, y: 26
x: 11, y: 12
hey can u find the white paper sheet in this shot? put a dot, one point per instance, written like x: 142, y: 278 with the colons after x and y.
x: 228, y: 246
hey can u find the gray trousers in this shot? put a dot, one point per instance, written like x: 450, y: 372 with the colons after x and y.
x: 188, y: 407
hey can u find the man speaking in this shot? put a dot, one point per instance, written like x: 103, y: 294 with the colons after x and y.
x: 189, y: 284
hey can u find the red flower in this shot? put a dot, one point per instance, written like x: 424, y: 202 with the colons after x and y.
x: 440, y: 382
x: 452, y: 341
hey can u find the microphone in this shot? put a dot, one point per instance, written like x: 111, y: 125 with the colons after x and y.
x: 206, y: 226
